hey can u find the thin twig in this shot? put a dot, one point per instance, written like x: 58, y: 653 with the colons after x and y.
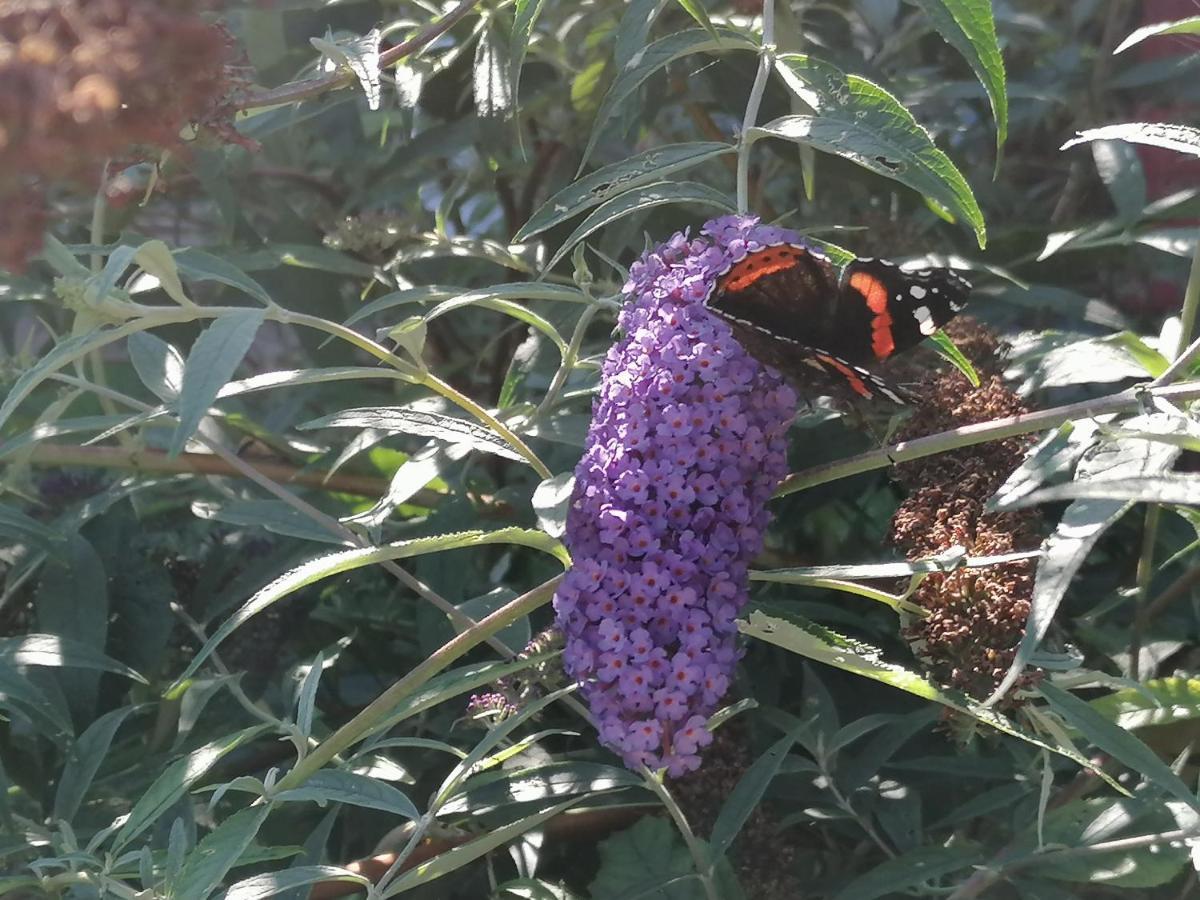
x: 766, y: 59
x: 145, y: 460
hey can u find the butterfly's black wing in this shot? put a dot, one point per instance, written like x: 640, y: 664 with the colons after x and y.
x: 883, y: 309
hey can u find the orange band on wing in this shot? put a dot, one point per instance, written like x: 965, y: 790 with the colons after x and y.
x: 853, y: 378
x: 875, y: 293
x: 756, y: 265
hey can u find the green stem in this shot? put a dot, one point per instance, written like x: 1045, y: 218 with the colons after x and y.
x: 766, y: 59
x: 1182, y: 359
x: 970, y: 435
x: 570, y: 357
x: 1145, y: 574
x: 700, y: 856
x: 385, y: 704
x: 1191, y: 302
x: 99, y: 215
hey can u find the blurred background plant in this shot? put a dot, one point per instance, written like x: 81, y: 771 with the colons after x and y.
x: 303, y: 314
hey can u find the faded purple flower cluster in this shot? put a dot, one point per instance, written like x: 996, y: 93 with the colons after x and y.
x: 687, y: 442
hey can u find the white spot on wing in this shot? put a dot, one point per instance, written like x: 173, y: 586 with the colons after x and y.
x: 924, y: 320
x: 917, y: 291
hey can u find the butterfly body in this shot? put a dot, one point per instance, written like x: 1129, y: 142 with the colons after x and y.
x: 790, y: 307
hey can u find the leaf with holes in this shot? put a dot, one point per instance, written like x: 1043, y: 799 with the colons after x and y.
x: 860, y: 121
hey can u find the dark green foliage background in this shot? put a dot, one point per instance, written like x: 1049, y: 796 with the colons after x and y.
x: 133, y: 566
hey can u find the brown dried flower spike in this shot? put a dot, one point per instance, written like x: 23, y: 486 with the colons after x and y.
x: 977, y: 616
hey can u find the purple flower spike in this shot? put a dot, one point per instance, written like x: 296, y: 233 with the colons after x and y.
x: 688, y: 440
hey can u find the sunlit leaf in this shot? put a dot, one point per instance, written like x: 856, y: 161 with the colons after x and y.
x: 617, y: 178
x: 1181, y: 138
x: 1182, y: 26
x: 857, y: 119
x: 331, y: 564
x: 177, y: 778
x: 637, y: 200
x: 968, y: 26
x: 1117, y: 742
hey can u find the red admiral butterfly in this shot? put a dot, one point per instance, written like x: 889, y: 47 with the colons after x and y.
x: 790, y: 308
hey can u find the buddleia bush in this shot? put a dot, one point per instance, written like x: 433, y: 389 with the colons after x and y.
x: 418, y: 482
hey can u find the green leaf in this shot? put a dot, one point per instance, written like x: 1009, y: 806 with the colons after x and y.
x: 1182, y: 26
x: 814, y: 642
x: 306, y: 696
x: 216, y: 854
x: 641, y: 198
x: 968, y: 26
x: 275, y: 516
x: 466, y: 853
x: 331, y: 564
x: 1170, y: 488
x: 84, y: 758
x: 1158, y: 701
x: 857, y: 119
x: 500, y: 788
x: 612, y: 180
x: 646, y: 61
x: 525, y: 13
x: 62, y: 355
x: 492, y: 86
x: 402, y: 420
x: 1081, y: 525
x: 175, y: 780
x: 59, y: 652
x: 72, y: 604
x: 259, y: 887
x: 20, y: 528
x: 210, y: 364
x: 1089, y: 831
x: 1120, y: 168
x: 306, y: 256
x: 634, y: 29
x: 99, y: 286
x: 746, y: 794
x: 155, y: 259
x: 361, y: 56
x: 157, y: 363
x: 421, y: 294
x: 551, y: 501
x: 494, y: 736
x: 336, y: 786
x: 46, y: 710
x: 909, y: 870
x: 449, y: 298
x: 508, y: 308
x: 200, y: 265
x: 635, y: 861
x: 454, y: 683
x: 1181, y: 138
x: 1117, y: 742
x: 950, y: 351
x: 516, y: 635
x: 700, y: 14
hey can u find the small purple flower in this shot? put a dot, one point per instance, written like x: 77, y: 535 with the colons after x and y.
x: 688, y: 441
